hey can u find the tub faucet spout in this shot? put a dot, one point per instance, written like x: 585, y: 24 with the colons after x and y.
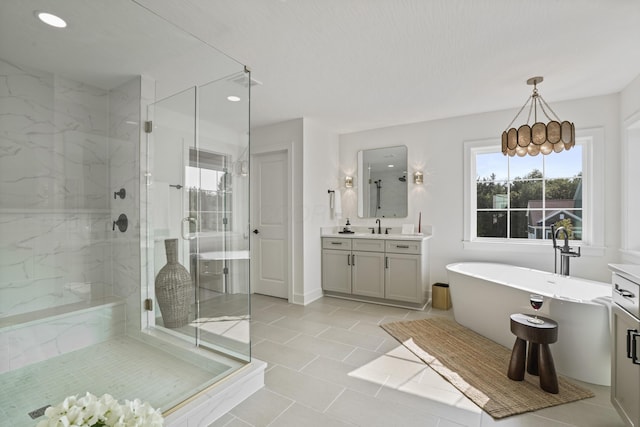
x: 565, y: 250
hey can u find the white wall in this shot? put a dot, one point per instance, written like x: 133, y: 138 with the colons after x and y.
x: 320, y: 173
x: 630, y: 157
x: 436, y: 147
x: 315, y: 170
x: 630, y: 99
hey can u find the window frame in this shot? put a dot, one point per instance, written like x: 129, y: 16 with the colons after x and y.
x: 592, y: 142
x: 199, y: 160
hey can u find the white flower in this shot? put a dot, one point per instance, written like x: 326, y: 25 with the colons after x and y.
x: 89, y: 411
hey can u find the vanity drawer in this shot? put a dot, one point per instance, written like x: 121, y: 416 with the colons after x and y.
x: 336, y: 243
x: 368, y: 245
x: 403, y: 247
x: 626, y: 294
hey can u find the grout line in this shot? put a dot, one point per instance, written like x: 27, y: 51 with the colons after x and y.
x: 322, y: 332
x: 233, y: 418
x: 293, y: 402
x: 292, y: 338
x: 377, y: 350
x: 354, y: 325
x: 277, y: 320
x: 347, y: 356
x: 334, y: 400
x: 383, y: 385
x: 308, y: 363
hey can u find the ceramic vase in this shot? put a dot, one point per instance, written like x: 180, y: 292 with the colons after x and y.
x: 173, y: 289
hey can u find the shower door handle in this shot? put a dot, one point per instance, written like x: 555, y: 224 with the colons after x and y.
x: 188, y: 220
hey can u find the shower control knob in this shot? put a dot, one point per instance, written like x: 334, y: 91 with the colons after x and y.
x: 122, y: 223
x: 122, y: 193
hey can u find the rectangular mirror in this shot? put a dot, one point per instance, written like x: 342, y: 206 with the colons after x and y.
x: 382, y: 183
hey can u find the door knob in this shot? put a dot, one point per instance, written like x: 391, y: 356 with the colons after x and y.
x: 255, y: 231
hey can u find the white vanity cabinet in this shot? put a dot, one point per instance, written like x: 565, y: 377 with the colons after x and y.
x: 376, y: 269
x: 625, y: 360
x: 625, y: 375
x: 353, y: 266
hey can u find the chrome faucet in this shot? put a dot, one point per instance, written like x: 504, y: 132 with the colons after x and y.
x: 566, y: 252
x: 379, y: 226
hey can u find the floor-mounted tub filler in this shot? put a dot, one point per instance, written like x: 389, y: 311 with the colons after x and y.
x: 484, y: 295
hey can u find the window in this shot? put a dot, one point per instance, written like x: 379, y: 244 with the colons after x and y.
x: 518, y: 199
x: 522, y: 197
x: 208, y: 183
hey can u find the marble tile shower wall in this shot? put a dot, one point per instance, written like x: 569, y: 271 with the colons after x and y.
x: 59, y: 167
x: 54, y: 197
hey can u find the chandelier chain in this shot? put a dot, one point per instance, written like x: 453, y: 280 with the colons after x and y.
x: 514, y: 119
x: 544, y: 104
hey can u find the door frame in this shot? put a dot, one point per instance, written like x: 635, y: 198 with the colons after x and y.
x: 288, y: 149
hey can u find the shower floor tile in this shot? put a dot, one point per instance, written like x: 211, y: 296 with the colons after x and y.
x: 123, y: 367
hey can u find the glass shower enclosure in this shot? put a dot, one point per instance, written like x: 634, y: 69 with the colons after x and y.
x: 197, y: 192
x: 110, y: 152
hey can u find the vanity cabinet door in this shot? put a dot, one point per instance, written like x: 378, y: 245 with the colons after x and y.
x: 403, y: 278
x: 368, y: 274
x: 625, y: 375
x: 336, y: 270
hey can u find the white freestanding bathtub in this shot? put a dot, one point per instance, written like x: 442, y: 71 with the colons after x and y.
x: 484, y: 295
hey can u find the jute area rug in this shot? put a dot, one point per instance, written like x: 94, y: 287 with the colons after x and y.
x: 477, y: 367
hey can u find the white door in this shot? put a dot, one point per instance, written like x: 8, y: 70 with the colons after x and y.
x: 270, y: 219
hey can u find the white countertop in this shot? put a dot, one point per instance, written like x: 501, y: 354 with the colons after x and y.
x: 391, y: 236
x: 632, y: 270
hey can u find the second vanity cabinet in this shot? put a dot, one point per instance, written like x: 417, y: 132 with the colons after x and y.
x: 380, y: 269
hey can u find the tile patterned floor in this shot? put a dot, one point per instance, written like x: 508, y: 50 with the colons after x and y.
x: 330, y: 364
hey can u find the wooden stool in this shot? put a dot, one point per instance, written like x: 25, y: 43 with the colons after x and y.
x: 539, y: 360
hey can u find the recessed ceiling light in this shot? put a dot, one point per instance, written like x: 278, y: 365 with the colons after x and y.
x: 51, y: 19
x: 233, y: 98
x: 389, y: 166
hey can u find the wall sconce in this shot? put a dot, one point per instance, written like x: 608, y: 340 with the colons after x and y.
x: 418, y: 177
x: 348, y: 181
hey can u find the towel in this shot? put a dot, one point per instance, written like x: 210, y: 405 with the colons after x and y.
x: 337, y: 205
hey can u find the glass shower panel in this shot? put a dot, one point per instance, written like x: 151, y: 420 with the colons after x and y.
x: 199, y: 198
x: 220, y: 252
x: 170, y: 221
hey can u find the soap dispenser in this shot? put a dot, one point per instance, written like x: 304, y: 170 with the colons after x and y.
x: 347, y: 226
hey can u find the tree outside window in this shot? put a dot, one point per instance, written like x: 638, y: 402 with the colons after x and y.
x: 522, y: 197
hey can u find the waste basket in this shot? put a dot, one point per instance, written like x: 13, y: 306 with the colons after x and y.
x: 440, y: 297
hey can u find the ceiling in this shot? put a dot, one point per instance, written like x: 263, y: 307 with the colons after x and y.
x: 361, y: 64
